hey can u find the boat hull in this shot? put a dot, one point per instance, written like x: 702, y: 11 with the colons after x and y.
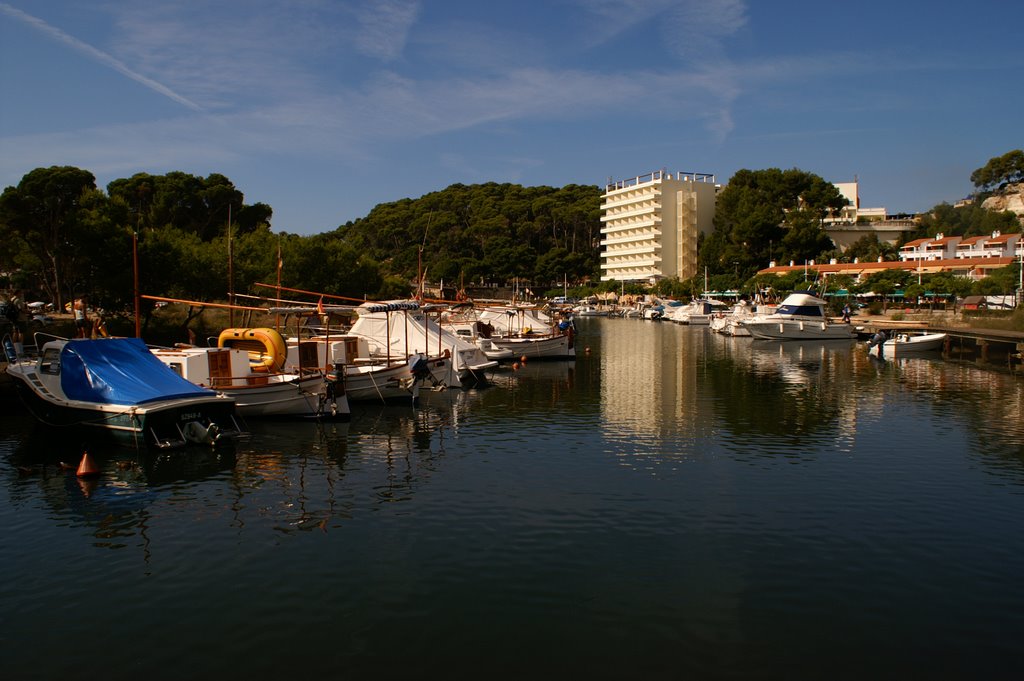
x: 116, y: 388
x: 561, y: 346
x: 789, y: 329
x: 257, y: 391
x: 395, y: 382
x: 909, y: 346
x: 161, y: 425
x: 299, y: 397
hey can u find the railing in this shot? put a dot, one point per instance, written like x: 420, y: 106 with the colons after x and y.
x: 659, y: 175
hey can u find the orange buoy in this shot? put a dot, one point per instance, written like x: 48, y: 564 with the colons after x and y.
x: 87, y: 468
x: 515, y: 366
x: 523, y: 359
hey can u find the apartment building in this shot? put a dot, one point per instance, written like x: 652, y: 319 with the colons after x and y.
x: 942, y: 247
x: 650, y: 225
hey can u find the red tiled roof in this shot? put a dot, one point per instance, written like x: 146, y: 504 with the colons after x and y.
x: 854, y: 268
x: 1002, y: 238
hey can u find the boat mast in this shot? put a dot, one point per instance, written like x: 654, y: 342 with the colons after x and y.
x: 231, y: 274
x: 135, y: 273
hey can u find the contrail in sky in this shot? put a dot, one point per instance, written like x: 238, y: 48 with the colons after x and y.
x: 98, y: 55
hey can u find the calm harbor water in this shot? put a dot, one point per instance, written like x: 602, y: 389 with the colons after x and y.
x: 674, y: 504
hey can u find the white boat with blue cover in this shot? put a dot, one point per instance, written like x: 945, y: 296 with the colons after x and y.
x: 801, y: 316
x: 116, y: 387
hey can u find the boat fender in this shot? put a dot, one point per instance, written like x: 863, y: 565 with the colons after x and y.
x: 12, y: 354
x: 267, y: 349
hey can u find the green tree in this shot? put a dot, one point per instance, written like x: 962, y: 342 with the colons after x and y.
x: 1000, y: 170
x: 193, y: 204
x: 965, y: 220
x: 44, y: 211
x: 869, y: 249
x: 885, y: 283
x: 766, y: 215
x: 489, y: 230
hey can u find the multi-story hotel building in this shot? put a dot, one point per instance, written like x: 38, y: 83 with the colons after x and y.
x: 650, y: 225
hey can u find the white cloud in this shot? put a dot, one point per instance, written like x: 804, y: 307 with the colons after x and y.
x: 384, y: 27
x: 97, y: 55
x: 697, y: 28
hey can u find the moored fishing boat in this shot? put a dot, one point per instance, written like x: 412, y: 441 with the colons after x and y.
x: 368, y: 378
x: 249, y: 365
x: 521, y: 330
x: 116, y: 387
x: 402, y: 328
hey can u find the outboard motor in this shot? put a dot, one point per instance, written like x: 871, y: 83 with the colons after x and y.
x: 420, y: 369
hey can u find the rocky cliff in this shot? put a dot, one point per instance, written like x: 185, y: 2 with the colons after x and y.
x: 1009, y: 198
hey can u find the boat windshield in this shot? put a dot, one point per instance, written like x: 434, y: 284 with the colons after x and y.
x: 801, y: 310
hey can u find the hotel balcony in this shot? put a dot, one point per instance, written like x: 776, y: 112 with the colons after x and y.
x: 646, y: 208
x: 641, y: 255
x: 618, y: 266
x: 644, y: 248
x: 637, y: 228
x: 636, y: 237
x: 637, y: 196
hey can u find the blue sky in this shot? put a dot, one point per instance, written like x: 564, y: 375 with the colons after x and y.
x: 325, y: 108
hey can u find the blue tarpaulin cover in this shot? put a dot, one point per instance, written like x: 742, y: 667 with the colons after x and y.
x: 120, y: 371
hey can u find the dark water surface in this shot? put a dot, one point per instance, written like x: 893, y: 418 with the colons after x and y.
x: 672, y: 505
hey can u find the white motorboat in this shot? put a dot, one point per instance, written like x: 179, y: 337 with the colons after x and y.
x: 801, y: 316
x: 589, y: 311
x: 698, y: 311
x: 654, y: 314
x: 731, y: 323
x: 907, y: 344
x: 116, y: 387
x: 249, y: 365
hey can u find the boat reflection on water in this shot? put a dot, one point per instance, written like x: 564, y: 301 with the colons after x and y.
x: 48, y: 453
x: 117, y: 498
x: 317, y: 476
x: 799, y: 363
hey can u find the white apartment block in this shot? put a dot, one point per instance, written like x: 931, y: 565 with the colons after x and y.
x: 650, y: 225
x: 996, y: 245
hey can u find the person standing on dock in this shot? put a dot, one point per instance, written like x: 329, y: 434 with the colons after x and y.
x: 81, y: 318
x: 17, y: 312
